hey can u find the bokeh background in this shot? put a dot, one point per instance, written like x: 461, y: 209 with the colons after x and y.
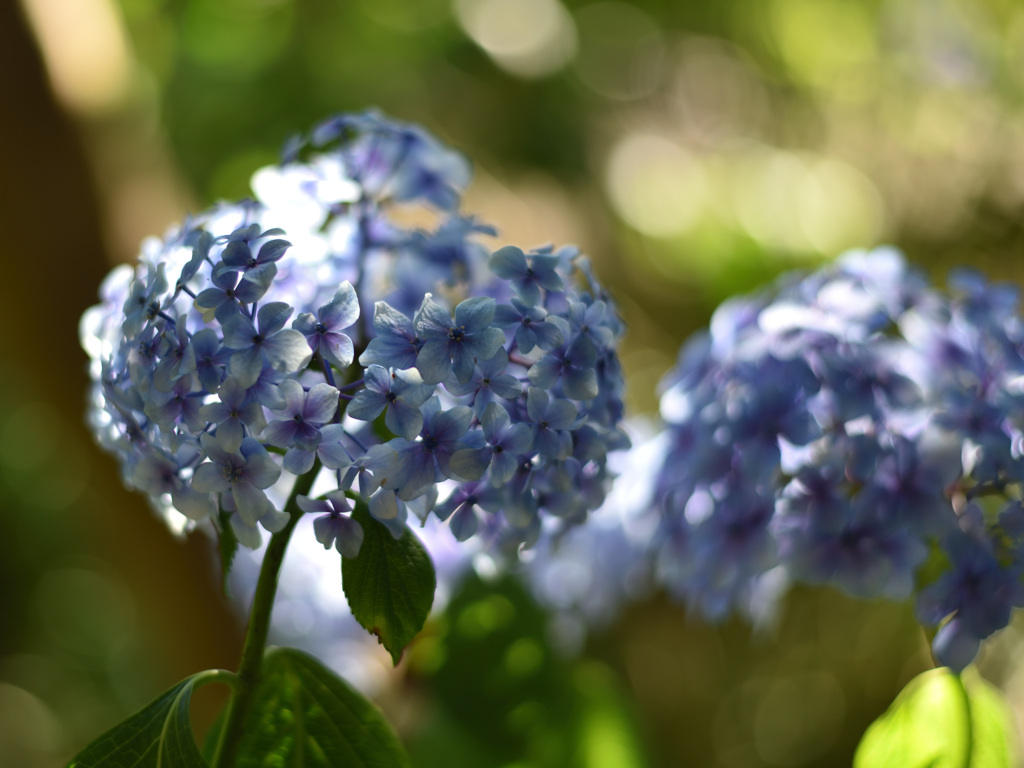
x: 694, y: 150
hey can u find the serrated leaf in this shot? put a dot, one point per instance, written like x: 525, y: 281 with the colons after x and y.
x: 304, y: 716
x: 927, y: 726
x: 159, y: 735
x: 390, y: 585
x: 227, y: 543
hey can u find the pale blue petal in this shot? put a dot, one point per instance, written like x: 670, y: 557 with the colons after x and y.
x: 247, y: 365
x: 403, y: 419
x: 474, y: 313
x: 508, y: 262
x: 337, y: 349
x: 209, y: 478
x: 366, y: 405
x: 342, y: 310
x: 298, y: 461
x: 433, y: 361
x: 250, y: 501
x: 287, y: 351
x: 247, y: 535
x: 469, y: 463
x: 272, y: 317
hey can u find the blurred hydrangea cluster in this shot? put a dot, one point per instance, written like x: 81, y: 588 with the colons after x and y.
x: 854, y: 427
x: 407, y: 364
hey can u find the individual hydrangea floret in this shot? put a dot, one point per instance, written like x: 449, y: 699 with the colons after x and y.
x: 323, y: 331
x: 336, y: 528
x: 399, y: 395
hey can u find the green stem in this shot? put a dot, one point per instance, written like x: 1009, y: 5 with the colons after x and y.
x: 968, y: 724
x: 259, y: 625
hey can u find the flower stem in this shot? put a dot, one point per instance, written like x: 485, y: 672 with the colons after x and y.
x: 255, y: 644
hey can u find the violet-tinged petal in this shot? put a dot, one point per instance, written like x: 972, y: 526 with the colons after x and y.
x: 272, y: 250
x: 280, y: 433
x: 321, y: 404
x: 308, y: 504
x: 464, y: 522
x: 349, y: 537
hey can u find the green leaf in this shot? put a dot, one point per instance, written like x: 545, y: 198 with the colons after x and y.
x: 213, y: 736
x: 158, y: 735
x: 390, y: 585
x: 607, y: 734
x: 928, y: 725
x: 304, y: 716
x: 228, y: 545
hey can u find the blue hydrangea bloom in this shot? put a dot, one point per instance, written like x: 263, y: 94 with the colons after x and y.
x: 295, y: 320
x: 843, y: 428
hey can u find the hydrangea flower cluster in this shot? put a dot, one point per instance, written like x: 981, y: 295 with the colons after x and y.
x: 307, y: 334
x: 853, y: 427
